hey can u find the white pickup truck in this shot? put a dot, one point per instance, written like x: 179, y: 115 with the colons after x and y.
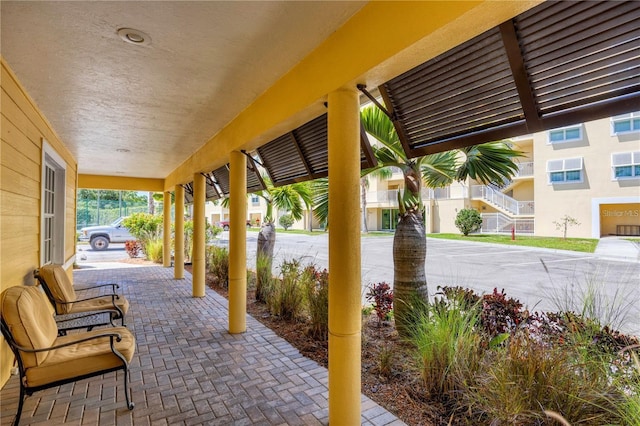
x: 101, y: 236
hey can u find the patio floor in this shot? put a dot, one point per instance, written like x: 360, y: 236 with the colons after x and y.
x: 188, y: 369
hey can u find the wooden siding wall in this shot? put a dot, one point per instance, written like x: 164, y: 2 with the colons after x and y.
x: 23, y: 128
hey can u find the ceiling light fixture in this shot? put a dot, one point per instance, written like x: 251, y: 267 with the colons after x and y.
x: 134, y: 36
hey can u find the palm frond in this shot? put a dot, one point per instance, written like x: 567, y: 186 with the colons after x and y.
x: 292, y: 198
x: 377, y: 124
x: 320, y: 190
x: 438, y: 170
x: 490, y: 162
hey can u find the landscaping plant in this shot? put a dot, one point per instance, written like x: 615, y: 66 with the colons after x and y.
x: 382, y: 297
x: 286, y: 220
x: 218, y: 264
x: 446, y: 346
x: 153, y: 247
x: 133, y: 248
x: 468, y: 221
x: 316, y: 284
x: 285, y: 298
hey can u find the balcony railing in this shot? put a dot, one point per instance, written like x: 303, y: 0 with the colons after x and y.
x: 502, y: 201
x: 390, y: 197
x: 499, y: 223
x: 525, y: 170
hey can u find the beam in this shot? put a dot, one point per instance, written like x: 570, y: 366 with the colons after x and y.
x: 120, y: 183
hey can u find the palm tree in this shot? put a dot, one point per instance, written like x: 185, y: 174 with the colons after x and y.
x: 293, y: 198
x: 492, y: 162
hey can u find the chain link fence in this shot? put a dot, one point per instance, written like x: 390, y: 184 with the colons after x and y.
x: 98, y: 211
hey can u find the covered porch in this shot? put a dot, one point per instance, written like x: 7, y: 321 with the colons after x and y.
x: 188, y: 369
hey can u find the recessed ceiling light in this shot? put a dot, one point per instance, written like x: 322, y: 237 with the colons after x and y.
x: 134, y: 36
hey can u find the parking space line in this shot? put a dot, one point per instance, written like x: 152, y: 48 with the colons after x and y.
x: 571, y: 259
x: 484, y: 253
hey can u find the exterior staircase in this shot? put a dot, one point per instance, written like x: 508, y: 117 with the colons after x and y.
x: 493, y: 196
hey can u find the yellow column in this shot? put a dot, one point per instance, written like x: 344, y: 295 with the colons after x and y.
x: 178, y: 261
x: 198, y: 256
x: 238, y: 243
x: 344, y: 258
x: 166, y: 232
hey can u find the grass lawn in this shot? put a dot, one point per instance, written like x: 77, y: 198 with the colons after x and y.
x: 587, y: 245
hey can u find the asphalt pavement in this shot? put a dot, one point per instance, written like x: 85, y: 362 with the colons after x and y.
x: 542, y: 279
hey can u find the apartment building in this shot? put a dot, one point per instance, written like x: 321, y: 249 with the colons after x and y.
x: 589, y: 172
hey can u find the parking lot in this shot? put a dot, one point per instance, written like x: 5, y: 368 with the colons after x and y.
x: 482, y: 267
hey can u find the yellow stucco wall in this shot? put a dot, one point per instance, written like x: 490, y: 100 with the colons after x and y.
x: 581, y: 200
x: 23, y: 130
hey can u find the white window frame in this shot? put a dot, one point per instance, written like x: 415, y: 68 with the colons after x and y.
x: 631, y: 116
x: 53, y: 161
x: 565, y: 168
x: 564, y: 130
x: 615, y: 163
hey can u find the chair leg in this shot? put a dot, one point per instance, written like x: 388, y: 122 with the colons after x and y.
x: 127, y: 391
x: 16, y: 421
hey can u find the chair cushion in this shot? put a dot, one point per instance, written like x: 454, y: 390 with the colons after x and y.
x: 82, y: 358
x: 60, y: 286
x: 101, y: 303
x: 26, y: 311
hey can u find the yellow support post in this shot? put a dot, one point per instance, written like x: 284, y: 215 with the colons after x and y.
x: 199, y: 248
x: 166, y: 232
x: 178, y: 256
x: 344, y: 258
x: 238, y: 243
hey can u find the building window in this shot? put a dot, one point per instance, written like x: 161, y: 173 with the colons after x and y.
x: 625, y: 165
x: 52, y: 206
x: 625, y: 123
x: 255, y: 200
x: 568, y: 170
x: 565, y: 134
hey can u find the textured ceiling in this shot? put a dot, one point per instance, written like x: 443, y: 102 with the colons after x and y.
x: 140, y: 111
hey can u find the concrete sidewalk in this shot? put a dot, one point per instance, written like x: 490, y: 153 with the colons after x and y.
x: 617, y: 248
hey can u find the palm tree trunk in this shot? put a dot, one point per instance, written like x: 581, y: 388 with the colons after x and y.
x: 363, y: 195
x: 151, y: 204
x: 264, y: 257
x: 409, y: 255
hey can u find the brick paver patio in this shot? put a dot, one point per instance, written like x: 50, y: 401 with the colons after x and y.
x: 188, y: 370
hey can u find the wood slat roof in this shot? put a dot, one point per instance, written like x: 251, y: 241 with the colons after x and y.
x: 558, y: 64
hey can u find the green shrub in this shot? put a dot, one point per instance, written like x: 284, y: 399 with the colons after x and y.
x: 286, y: 221
x: 141, y: 225
x: 218, y: 264
x: 153, y: 249
x: 264, y: 276
x: 316, y: 284
x: 446, y: 346
x: 286, y: 295
x: 468, y: 220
